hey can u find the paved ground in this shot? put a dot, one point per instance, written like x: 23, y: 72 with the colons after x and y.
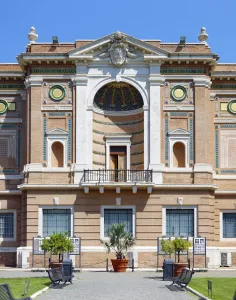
x: 117, y: 286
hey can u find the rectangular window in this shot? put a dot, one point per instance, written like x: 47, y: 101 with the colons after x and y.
x: 7, y: 225
x: 180, y: 222
x: 229, y: 225
x: 114, y: 216
x: 56, y: 221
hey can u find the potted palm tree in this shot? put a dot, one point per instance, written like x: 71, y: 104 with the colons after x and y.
x: 57, y: 244
x: 177, y: 246
x: 119, y: 241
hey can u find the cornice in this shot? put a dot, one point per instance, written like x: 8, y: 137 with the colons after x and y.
x: 33, y: 81
x: 202, y: 81
x: 178, y: 107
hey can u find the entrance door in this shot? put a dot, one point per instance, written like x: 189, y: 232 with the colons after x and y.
x: 118, y: 163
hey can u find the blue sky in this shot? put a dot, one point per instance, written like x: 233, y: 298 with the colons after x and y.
x: 91, y: 19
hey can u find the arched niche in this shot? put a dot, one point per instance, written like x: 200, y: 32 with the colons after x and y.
x: 179, y: 155
x: 57, y: 155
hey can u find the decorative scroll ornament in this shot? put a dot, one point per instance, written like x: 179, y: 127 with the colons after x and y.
x: 118, y: 50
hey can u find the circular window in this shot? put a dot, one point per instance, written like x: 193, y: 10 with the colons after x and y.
x: 3, y: 106
x: 57, y: 93
x: 232, y: 107
x: 178, y: 93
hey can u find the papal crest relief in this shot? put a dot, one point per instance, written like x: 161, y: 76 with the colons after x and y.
x: 118, y: 50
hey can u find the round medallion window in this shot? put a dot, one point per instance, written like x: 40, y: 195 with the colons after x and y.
x: 57, y: 93
x: 118, y: 96
x: 178, y: 93
x: 232, y: 107
x: 3, y: 106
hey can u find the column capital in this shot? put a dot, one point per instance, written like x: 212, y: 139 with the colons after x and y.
x: 202, y: 81
x: 32, y: 81
x: 80, y: 80
x: 156, y: 80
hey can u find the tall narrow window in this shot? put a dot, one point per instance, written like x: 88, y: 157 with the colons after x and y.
x: 56, y: 221
x: 180, y: 222
x: 178, y: 155
x: 6, y: 225
x: 57, y: 155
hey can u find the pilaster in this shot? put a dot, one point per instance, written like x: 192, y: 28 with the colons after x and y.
x: 203, y: 131
x: 80, y: 83
x: 155, y: 83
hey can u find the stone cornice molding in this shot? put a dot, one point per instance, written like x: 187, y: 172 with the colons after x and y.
x: 178, y: 108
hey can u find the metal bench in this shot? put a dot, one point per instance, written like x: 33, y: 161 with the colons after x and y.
x: 57, y: 275
x: 184, y: 278
x: 5, y: 293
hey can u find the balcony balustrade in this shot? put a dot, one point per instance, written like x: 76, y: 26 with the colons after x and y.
x: 109, y: 176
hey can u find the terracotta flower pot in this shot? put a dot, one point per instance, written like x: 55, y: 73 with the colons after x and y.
x: 178, y: 267
x: 54, y: 265
x: 119, y: 265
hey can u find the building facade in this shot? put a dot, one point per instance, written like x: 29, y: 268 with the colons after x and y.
x: 117, y: 129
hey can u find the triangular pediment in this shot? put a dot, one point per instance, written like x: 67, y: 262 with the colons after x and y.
x: 134, y: 46
x: 57, y: 131
x: 179, y: 132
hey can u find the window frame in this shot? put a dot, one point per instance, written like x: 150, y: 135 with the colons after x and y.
x: 222, y: 224
x: 14, y: 225
x: 40, y: 217
x: 103, y: 207
x: 195, y: 214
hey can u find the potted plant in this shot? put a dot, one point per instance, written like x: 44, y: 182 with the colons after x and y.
x: 57, y: 244
x: 177, y: 246
x: 119, y: 241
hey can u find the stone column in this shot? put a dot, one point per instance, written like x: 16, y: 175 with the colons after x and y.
x: 203, y: 131
x: 81, y: 122
x: 155, y: 82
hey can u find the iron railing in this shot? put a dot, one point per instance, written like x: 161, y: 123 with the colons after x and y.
x: 117, y: 175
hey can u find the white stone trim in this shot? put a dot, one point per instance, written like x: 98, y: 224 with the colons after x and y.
x: 119, y: 140
x: 179, y: 207
x: 224, y: 192
x: 133, y: 207
x: 14, y: 223
x: 10, y: 192
x: 40, y: 216
x: 178, y: 107
x: 10, y: 120
x: 56, y: 108
x: 233, y: 240
x: 178, y: 170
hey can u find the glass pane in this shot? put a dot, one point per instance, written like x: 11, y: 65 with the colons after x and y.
x: 56, y: 221
x: 117, y: 216
x: 6, y: 225
x: 229, y: 225
x: 180, y: 222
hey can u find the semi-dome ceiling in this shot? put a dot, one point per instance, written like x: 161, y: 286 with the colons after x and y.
x: 118, y: 96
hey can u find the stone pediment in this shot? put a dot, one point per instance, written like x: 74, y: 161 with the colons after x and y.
x: 179, y: 132
x: 57, y: 131
x: 118, y: 47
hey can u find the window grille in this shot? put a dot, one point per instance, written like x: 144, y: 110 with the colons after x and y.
x: 6, y: 225
x: 229, y: 225
x: 180, y: 222
x: 3, y: 147
x: 56, y: 221
x: 118, y: 216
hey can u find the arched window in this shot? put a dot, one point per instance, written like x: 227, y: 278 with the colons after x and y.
x: 179, y: 155
x: 57, y: 155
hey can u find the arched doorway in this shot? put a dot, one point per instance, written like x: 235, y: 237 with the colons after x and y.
x: 57, y: 159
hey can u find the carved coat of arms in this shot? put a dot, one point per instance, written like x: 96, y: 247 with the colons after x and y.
x: 118, y: 50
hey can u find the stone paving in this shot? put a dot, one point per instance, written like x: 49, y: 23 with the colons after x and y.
x: 117, y: 286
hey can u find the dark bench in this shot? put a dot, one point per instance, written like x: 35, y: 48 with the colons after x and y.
x: 184, y: 278
x: 5, y: 293
x: 57, y: 275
